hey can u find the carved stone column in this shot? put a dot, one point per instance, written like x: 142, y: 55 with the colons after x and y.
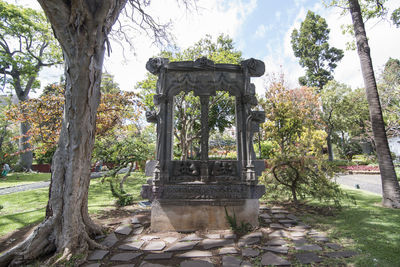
x: 204, y: 100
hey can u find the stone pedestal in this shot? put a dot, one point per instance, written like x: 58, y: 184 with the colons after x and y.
x: 201, y: 216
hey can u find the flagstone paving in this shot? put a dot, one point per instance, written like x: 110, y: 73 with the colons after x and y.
x: 281, y: 240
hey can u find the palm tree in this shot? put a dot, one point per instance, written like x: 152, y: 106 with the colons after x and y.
x: 390, y: 185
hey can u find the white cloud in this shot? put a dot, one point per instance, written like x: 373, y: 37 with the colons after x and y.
x: 260, y: 31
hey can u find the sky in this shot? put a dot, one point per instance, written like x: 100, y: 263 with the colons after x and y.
x: 259, y: 28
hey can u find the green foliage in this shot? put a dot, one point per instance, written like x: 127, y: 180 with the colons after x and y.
x: 267, y: 149
x: 297, y: 169
x: 348, y: 149
x: 27, y: 44
x: 8, y: 146
x: 310, y: 45
x: 240, y: 229
x: 395, y: 17
x: 123, y: 199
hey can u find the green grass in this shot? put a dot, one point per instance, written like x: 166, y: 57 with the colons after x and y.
x: 20, y: 178
x: 366, y: 227
x: 28, y: 207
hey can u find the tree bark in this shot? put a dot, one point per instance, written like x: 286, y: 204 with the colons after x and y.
x: 329, y: 146
x: 26, y: 155
x: 81, y: 28
x: 390, y: 185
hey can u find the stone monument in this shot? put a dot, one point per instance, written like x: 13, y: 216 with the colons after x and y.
x: 194, y: 194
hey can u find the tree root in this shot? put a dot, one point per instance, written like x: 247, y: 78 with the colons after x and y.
x: 42, y: 242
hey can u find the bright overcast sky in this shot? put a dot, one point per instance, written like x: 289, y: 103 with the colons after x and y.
x: 260, y: 29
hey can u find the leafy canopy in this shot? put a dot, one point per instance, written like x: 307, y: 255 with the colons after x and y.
x: 310, y: 45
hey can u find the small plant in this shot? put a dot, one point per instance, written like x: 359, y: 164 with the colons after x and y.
x: 1, y: 207
x: 124, y: 199
x: 241, y: 229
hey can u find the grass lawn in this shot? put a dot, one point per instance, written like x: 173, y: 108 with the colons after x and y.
x: 28, y: 207
x: 20, y: 178
x: 366, y: 227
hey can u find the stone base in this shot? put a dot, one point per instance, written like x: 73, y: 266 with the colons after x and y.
x: 201, y: 216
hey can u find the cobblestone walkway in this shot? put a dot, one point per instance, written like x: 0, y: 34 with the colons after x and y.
x: 281, y: 240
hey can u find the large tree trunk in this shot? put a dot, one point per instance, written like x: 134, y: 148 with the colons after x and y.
x: 81, y: 28
x: 26, y: 155
x: 390, y: 185
x: 329, y: 146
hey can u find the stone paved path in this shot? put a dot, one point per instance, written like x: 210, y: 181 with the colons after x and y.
x: 281, y: 240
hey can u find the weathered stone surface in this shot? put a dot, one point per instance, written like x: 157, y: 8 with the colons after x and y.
x: 265, y: 216
x: 272, y: 259
x: 299, y: 241
x: 159, y: 256
x: 249, y: 252
x: 297, y: 234
x: 195, y: 254
x: 341, y: 254
x: 286, y: 221
x: 183, y: 246
x: 213, y: 236
x: 248, y: 241
x: 126, y: 256
x: 279, y: 233
x: 191, y: 237
x: 333, y: 246
x: 274, y: 211
x: 230, y: 261
x: 170, y: 239
x: 298, y: 228
x: 267, y: 220
x: 292, y: 217
x: 124, y: 265
x: 110, y: 240
x: 308, y: 247
x: 136, y: 245
x: 246, y: 264
x: 196, y: 263
x: 123, y: 230
x: 276, y: 242
x: 276, y: 226
x: 213, y: 243
x: 148, y: 264
x: 320, y: 238
x: 227, y: 250
x: 149, y: 237
x: 277, y: 249
x: 154, y: 246
x: 251, y: 235
x: 279, y: 216
x: 308, y: 257
x: 92, y: 265
x: 98, y: 255
x: 135, y: 220
x: 138, y: 230
x: 229, y: 236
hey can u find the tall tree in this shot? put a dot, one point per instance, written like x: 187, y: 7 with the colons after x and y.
x: 26, y: 46
x: 390, y: 184
x: 82, y: 29
x: 311, y: 46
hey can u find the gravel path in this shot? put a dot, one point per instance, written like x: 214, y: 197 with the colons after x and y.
x: 37, y: 185
x: 367, y: 182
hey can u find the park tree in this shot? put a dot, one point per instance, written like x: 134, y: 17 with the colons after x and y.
x: 389, y: 88
x: 390, y: 184
x: 310, y: 45
x: 344, y: 111
x: 44, y: 114
x: 27, y: 45
x: 186, y: 105
x: 82, y: 29
x: 295, y: 129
